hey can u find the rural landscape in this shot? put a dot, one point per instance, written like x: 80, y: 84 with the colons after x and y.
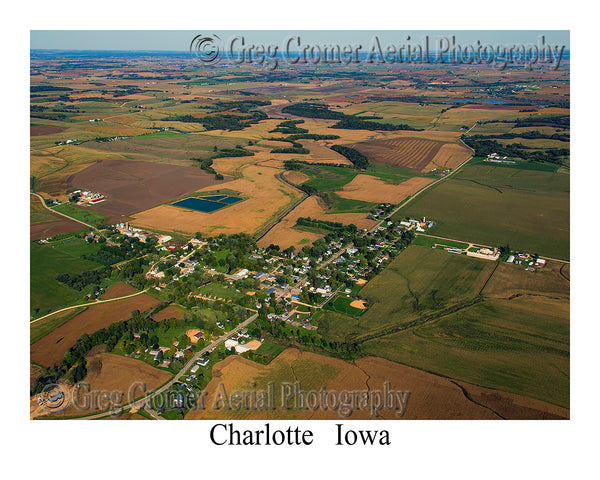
x: 201, y: 229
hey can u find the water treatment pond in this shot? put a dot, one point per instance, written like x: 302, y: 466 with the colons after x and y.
x: 207, y: 204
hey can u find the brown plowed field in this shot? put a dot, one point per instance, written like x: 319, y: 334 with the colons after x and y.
x: 169, y: 312
x: 118, y: 290
x: 409, y: 153
x: 55, y: 227
x: 51, y: 349
x: 133, y: 186
x: 431, y: 396
x: 114, y: 373
x: 371, y: 189
x: 39, y: 130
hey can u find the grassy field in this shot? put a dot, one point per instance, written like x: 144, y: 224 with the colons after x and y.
x: 494, y: 206
x: 520, y: 346
x: 219, y: 291
x: 270, y: 349
x: 419, y: 282
x: 47, y: 261
x: 431, y: 242
x: 81, y: 213
x: 341, y: 304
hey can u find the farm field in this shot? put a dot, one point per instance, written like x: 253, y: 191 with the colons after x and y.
x: 432, y: 397
x: 284, y: 234
x: 49, y: 260
x: 410, y: 153
x: 170, y: 312
x: 50, y: 349
x: 420, y: 282
x: 519, y: 345
x: 267, y: 198
x: 39, y: 130
x: 367, y: 188
x: 497, y: 206
x: 44, y: 224
x: 169, y: 147
x: 132, y: 186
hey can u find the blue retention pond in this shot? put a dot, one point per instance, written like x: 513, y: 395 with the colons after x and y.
x: 207, y: 204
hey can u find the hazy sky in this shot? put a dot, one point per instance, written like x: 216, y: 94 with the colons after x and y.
x: 180, y: 40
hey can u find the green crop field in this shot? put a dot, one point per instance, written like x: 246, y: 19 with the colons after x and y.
x: 519, y: 346
x: 419, y: 282
x: 328, y: 178
x: 497, y: 206
x: 47, y: 261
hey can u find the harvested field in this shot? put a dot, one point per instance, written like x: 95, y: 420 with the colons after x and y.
x: 114, y: 373
x: 371, y: 189
x: 284, y: 235
x: 431, y: 396
x: 169, y: 312
x: 39, y: 130
x: 266, y: 197
x: 410, y: 153
x: 322, y: 154
x: 295, y: 177
x: 133, y: 186
x: 51, y: 349
x: 450, y: 155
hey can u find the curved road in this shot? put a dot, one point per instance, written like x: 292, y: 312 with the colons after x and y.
x: 97, y: 302
x: 62, y: 214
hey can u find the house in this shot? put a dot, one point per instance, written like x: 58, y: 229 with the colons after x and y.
x: 229, y: 344
x: 203, y: 362
x: 195, y: 368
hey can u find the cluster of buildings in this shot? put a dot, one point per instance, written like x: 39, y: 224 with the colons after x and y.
x: 418, y: 225
x: 87, y: 197
x: 531, y: 263
x: 485, y: 253
x: 495, y: 158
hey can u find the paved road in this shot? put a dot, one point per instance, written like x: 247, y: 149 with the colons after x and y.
x: 90, y: 304
x: 62, y: 214
x: 142, y: 401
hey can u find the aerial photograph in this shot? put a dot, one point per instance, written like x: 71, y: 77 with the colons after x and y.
x: 304, y: 225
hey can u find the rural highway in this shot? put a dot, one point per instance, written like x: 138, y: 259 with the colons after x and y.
x: 62, y: 214
x: 142, y: 401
